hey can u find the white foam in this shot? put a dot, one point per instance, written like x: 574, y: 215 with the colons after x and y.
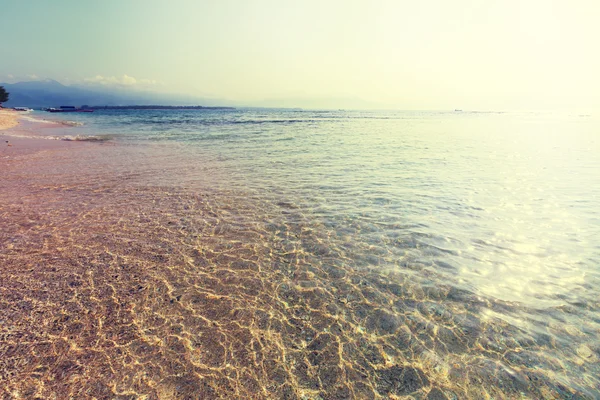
x: 50, y: 121
x: 67, y: 138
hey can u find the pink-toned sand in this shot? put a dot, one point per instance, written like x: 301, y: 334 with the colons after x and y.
x: 12, y: 145
x: 8, y: 119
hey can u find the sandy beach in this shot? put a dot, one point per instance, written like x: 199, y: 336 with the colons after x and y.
x: 19, y: 137
x: 8, y: 119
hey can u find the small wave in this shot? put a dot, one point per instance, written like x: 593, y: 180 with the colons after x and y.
x: 219, y: 122
x: 68, y: 138
x: 70, y: 123
x: 51, y: 121
x: 80, y: 138
x: 275, y: 121
x: 34, y: 119
x: 24, y: 135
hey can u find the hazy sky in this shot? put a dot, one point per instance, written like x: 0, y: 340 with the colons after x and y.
x: 426, y: 54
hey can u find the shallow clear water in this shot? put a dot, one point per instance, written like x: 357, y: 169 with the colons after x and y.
x: 386, y: 253
x: 509, y: 200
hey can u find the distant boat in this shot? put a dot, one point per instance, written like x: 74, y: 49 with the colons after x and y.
x: 68, y: 109
x: 457, y: 110
x: 22, y: 109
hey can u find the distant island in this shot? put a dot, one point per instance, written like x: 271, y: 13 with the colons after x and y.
x: 50, y: 93
x: 156, y: 107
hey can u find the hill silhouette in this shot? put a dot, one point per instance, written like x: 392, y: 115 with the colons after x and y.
x: 51, y: 93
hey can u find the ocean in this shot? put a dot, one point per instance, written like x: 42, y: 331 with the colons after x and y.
x: 265, y: 253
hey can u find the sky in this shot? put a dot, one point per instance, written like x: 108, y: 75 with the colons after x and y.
x: 426, y: 54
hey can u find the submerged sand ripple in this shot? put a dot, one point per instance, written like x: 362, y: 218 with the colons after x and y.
x: 113, y: 291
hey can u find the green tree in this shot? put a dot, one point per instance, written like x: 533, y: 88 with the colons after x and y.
x: 3, y: 95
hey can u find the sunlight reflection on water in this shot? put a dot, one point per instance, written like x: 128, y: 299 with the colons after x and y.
x: 423, y: 249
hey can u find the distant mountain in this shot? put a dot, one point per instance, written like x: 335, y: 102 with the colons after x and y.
x: 50, y: 93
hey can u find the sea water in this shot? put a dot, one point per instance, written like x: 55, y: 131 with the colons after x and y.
x: 320, y: 254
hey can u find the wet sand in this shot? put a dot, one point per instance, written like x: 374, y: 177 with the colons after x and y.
x: 113, y: 285
x: 16, y: 139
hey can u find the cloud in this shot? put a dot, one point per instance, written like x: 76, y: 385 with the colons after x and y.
x: 11, y: 78
x: 128, y: 80
x: 124, y: 80
x: 20, y: 77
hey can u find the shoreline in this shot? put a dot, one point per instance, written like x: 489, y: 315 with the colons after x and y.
x: 16, y: 137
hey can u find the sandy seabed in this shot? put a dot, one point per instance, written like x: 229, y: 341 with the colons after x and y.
x: 115, y: 287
